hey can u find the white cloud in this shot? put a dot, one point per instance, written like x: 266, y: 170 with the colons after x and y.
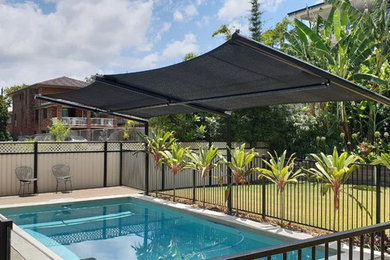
x: 180, y: 48
x: 178, y: 16
x: 232, y: 9
x: 185, y: 13
x: 77, y: 39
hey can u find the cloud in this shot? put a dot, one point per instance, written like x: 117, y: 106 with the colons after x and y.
x: 77, y: 39
x: 180, y: 48
x: 178, y: 16
x: 185, y: 13
x: 233, y: 9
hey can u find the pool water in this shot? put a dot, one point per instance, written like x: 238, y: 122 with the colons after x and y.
x: 133, y: 229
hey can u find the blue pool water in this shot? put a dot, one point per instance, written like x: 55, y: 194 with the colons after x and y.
x: 133, y: 229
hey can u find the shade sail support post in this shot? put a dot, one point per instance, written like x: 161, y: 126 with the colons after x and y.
x: 146, y: 162
x: 228, y: 122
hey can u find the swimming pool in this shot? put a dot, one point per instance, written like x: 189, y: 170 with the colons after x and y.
x: 133, y: 229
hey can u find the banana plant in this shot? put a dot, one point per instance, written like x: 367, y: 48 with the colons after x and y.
x: 384, y: 159
x: 203, y: 162
x: 281, y: 173
x: 158, y: 142
x: 176, y: 160
x: 335, y: 170
x: 240, y: 166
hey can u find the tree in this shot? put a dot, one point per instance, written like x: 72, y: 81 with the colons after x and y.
x: 59, y: 130
x: 335, y: 170
x: 189, y: 56
x: 127, y: 129
x: 281, y: 173
x: 255, y: 22
x: 4, y: 116
x: 176, y: 160
x: 203, y: 162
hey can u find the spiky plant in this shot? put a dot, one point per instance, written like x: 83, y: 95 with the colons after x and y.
x: 384, y: 159
x: 240, y: 165
x: 158, y: 141
x: 176, y: 160
x: 203, y: 162
x: 335, y: 170
x: 281, y: 173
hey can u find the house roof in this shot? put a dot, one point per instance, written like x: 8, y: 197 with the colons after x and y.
x: 61, y: 82
x: 240, y: 73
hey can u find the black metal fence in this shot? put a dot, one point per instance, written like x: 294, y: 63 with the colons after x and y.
x: 372, y: 237
x: 364, y: 200
x: 5, y: 238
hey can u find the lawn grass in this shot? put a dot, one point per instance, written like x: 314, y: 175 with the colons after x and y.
x: 304, y: 203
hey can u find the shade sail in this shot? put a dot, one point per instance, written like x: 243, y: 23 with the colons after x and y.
x: 240, y: 73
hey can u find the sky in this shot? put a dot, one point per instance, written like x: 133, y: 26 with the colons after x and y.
x: 45, y: 39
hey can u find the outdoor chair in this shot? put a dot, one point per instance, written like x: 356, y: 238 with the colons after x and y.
x: 61, y: 173
x: 25, y: 177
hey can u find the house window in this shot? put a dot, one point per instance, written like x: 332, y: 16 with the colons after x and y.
x: 44, y: 113
x: 68, y: 112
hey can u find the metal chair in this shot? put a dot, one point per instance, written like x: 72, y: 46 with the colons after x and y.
x: 26, y: 177
x: 61, y: 173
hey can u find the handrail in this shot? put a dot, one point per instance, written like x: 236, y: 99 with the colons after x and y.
x: 309, y: 243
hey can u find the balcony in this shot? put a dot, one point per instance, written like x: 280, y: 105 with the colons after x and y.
x: 82, y: 121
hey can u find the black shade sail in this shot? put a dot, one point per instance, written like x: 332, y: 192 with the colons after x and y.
x: 240, y: 73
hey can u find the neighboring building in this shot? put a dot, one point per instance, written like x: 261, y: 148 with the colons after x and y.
x: 323, y: 9
x: 31, y: 116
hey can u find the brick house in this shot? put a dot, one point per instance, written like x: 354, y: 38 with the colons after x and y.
x: 31, y: 116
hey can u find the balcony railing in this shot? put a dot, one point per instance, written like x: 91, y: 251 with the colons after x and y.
x: 82, y: 121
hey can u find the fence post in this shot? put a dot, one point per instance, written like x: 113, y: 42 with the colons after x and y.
x: 193, y: 186
x: 105, y: 165
x: 146, y: 192
x: 229, y: 158
x: 5, y: 239
x: 35, y: 166
x: 120, y: 163
x: 378, y: 194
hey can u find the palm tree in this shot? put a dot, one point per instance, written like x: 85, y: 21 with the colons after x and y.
x: 335, y: 170
x: 176, y: 160
x: 240, y: 166
x: 384, y: 159
x: 281, y: 173
x: 157, y: 142
x: 204, y: 161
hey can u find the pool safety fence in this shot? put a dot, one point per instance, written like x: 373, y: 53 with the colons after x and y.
x: 363, y: 201
x: 357, y: 240
x: 5, y: 238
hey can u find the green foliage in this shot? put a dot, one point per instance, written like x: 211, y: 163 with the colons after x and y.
x: 127, y: 129
x: 384, y: 159
x: 176, y: 160
x: 187, y: 127
x: 189, y: 56
x: 276, y: 36
x: 4, y: 116
x: 239, y: 163
x: 59, y: 130
x: 204, y: 160
x: 225, y: 31
x: 334, y: 170
x: 158, y: 141
x: 281, y: 173
x: 255, y: 22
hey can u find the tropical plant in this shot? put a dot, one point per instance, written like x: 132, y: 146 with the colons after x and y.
x: 127, y: 129
x: 240, y: 166
x: 335, y: 170
x: 281, y: 173
x: 176, y: 160
x: 59, y: 130
x: 384, y: 159
x: 158, y: 141
x: 204, y: 161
